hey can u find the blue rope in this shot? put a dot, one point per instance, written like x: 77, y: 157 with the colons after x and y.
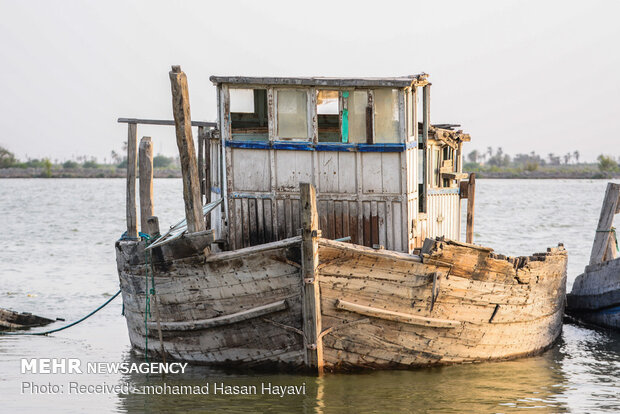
x: 66, y: 326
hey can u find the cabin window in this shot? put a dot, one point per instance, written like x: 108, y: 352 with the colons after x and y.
x: 292, y: 114
x: 386, y: 116
x: 357, y: 104
x: 328, y: 116
x: 447, y: 164
x: 248, y: 114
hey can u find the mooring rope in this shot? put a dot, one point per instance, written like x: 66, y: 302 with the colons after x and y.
x: 66, y: 326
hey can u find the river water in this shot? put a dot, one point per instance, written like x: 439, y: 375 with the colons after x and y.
x: 57, y: 260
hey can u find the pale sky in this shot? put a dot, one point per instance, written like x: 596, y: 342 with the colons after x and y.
x: 523, y: 75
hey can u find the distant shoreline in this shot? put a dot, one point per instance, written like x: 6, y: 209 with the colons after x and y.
x: 82, y: 173
x: 176, y: 173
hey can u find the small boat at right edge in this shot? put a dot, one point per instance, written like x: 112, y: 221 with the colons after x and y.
x: 595, y: 297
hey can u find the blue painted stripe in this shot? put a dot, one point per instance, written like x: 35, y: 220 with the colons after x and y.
x: 322, y: 146
x: 294, y: 146
x: 249, y: 144
x: 215, y: 190
x: 334, y: 146
x: 609, y: 311
x: 437, y: 191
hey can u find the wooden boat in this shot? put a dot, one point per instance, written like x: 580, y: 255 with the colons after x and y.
x: 595, y: 296
x: 12, y: 320
x: 329, y: 250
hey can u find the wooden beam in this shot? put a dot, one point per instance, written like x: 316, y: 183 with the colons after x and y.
x: 471, y: 193
x: 163, y: 122
x: 145, y: 161
x: 223, y: 320
x: 208, y: 184
x: 153, y: 225
x: 185, y: 142
x: 311, y: 307
x: 603, y: 236
x: 396, y: 316
x: 132, y: 160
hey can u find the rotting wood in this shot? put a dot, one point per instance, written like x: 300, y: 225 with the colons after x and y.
x: 145, y: 159
x: 471, y: 193
x: 396, y: 316
x: 185, y: 142
x: 153, y: 225
x: 603, y: 235
x: 310, y: 260
x: 132, y: 160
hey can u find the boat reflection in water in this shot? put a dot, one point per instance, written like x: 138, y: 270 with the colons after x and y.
x: 531, y: 383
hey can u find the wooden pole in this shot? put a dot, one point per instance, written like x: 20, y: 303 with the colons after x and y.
x: 208, y: 175
x: 145, y: 161
x: 603, y: 236
x: 471, y: 192
x: 311, y: 310
x: 132, y: 159
x: 426, y: 121
x: 185, y: 142
x: 201, y: 160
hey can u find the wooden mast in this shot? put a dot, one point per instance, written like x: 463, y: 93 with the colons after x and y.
x: 132, y: 159
x: 311, y: 311
x: 601, y: 249
x: 185, y: 142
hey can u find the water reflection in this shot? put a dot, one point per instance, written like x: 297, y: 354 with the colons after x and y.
x: 532, y: 383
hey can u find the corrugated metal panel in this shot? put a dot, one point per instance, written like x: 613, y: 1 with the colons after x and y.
x: 444, y: 218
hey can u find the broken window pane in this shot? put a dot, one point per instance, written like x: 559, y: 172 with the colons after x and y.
x: 356, y: 105
x: 328, y: 116
x: 292, y: 114
x: 248, y: 114
x: 386, y: 115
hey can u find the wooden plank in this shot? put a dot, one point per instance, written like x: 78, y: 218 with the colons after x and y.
x: 194, y: 325
x: 311, y: 308
x: 132, y: 160
x: 268, y: 222
x: 605, y: 221
x: 374, y: 224
x: 396, y: 316
x: 471, y: 193
x: 353, y: 223
x: 245, y: 222
x: 338, y: 219
x: 146, y: 182
x: 185, y: 142
x: 366, y: 224
x: 253, y: 216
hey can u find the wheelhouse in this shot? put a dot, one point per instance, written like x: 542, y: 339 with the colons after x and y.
x: 385, y: 177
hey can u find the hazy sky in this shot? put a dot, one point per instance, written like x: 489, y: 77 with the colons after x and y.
x: 523, y: 75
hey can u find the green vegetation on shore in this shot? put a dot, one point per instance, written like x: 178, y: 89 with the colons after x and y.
x: 83, y: 166
x: 496, y: 164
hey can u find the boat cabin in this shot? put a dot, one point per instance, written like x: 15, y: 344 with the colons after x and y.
x: 385, y: 177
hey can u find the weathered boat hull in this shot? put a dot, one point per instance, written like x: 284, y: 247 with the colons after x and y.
x: 595, y: 297
x: 381, y: 309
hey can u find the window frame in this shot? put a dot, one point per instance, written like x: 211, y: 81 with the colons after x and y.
x: 310, y: 115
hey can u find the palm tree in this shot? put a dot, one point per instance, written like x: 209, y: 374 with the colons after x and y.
x: 576, y: 156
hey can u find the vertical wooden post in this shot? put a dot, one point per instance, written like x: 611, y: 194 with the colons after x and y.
x: 471, y: 192
x: 132, y: 159
x: 185, y: 142
x: 207, y: 177
x: 426, y: 120
x: 311, y: 310
x: 153, y: 225
x: 603, y: 236
x: 145, y: 161
x: 201, y: 161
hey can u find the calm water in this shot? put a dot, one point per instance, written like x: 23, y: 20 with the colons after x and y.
x: 57, y: 260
